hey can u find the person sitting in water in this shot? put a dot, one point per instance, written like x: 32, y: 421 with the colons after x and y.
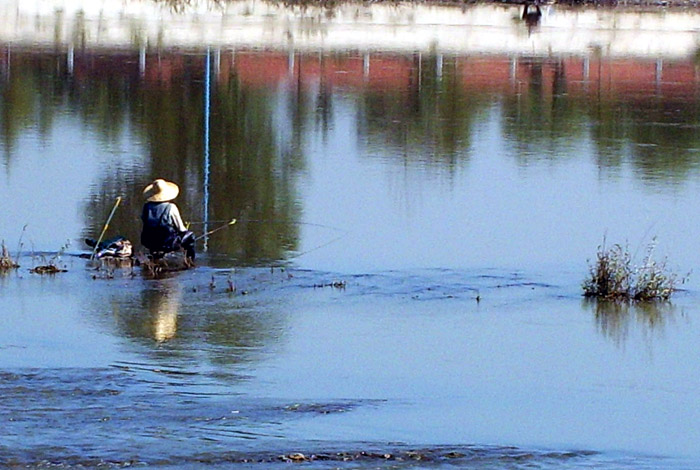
x: 163, y: 230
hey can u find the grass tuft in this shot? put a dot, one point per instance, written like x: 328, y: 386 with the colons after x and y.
x: 6, y: 261
x: 51, y: 266
x: 613, y: 276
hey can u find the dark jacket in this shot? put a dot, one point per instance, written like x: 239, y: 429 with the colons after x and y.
x: 162, y: 226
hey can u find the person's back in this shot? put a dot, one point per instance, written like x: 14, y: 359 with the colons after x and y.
x: 158, y: 230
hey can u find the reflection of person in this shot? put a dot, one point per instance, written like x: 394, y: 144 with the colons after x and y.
x: 164, y: 315
x: 531, y: 14
x: 163, y: 229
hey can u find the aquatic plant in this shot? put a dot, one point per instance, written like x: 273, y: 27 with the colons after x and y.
x: 6, y: 261
x: 613, y: 276
x: 51, y: 266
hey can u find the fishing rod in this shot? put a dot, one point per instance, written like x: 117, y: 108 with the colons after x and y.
x: 104, y: 229
x: 228, y: 224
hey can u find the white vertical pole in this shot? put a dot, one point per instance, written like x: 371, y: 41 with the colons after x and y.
x: 70, y: 59
x: 207, y: 166
x: 142, y: 60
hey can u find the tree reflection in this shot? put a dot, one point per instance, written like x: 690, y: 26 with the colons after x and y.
x: 651, y: 124
x: 541, y: 114
x: 252, y: 167
x: 419, y: 108
x: 20, y: 107
x: 429, y: 118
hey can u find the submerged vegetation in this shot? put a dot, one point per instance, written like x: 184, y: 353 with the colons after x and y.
x: 614, y: 276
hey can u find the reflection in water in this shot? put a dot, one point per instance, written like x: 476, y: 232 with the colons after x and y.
x: 187, y: 323
x: 417, y: 110
x: 615, y: 320
x: 157, y: 315
x: 164, y: 307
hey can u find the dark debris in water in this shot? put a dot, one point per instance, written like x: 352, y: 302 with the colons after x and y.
x: 399, y: 457
x: 470, y: 457
x: 48, y: 269
x: 333, y: 284
x: 321, y: 408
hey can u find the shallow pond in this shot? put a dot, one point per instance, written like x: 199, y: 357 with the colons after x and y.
x: 402, y: 287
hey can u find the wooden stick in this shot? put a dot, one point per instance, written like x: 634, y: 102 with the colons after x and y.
x: 104, y: 229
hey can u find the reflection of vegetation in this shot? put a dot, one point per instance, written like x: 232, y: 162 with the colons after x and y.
x: 428, y: 121
x: 654, y: 128
x: 613, y: 276
x: 541, y: 114
x: 19, y: 107
x: 251, y: 175
x: 615, y: 319
x: 421, y: 107
x: 252, y: 168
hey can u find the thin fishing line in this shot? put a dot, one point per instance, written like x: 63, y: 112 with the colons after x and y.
x: 273, y: 221
x: 310, y: 224
x: 320, y: 246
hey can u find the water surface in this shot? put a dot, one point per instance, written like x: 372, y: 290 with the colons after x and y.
x: 402, y: 287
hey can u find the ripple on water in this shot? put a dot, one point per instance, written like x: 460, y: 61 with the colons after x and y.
x: 76, y: 418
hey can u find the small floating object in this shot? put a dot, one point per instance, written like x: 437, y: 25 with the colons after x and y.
x: 114, y: 248
x: 48, y: 269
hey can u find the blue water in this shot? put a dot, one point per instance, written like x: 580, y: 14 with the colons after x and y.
x: 182, y: 371
x: 402, y: 288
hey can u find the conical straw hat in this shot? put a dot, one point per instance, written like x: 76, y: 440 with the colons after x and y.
x: 161, y: 191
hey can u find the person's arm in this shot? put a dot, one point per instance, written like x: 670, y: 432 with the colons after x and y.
x: 176, y: 219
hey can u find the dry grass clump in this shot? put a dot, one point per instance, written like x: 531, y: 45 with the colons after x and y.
x: 51, y: 266
x: 613, y: 276
x: 6, y: 261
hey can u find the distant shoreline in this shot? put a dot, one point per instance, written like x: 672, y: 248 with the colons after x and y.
x: 648, y: 29
x: 624, y: 5
x: 630, y: 5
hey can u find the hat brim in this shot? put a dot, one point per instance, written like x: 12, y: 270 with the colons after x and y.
x: 164, y: 191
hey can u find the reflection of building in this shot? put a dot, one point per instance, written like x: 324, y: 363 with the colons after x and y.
x: 501, y: 74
